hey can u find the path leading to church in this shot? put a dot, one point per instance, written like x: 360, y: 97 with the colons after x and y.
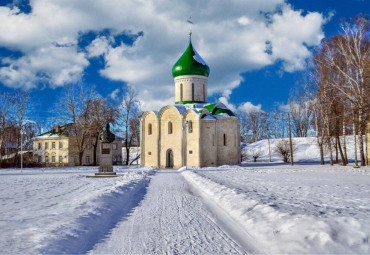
x: 172, y: 219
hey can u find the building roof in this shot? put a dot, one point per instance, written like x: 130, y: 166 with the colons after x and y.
x: 205, y: 110
x: 190, y: 63
x: 63, y: 132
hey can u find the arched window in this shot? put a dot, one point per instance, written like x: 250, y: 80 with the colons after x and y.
x: 181, y: 93
x: 192, y: 91
x: 224, y: 139
x: 149, y: 129
x: 169, y: 127
x: 190, y: 126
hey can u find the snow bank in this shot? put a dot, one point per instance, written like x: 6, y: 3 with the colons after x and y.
x: 59, y: 210
x: 306, y: 150
x: 278, y: 232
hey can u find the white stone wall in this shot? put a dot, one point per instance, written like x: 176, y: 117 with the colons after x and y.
x: 208, y: 142
x: 202, y: 146
x: 192, y: 137
x: 200, y: 88
x: 171, y: 141
x: 149, y: 142
x: 227, y: 153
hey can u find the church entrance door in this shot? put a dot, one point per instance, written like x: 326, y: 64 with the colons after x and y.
x: 169, y: 159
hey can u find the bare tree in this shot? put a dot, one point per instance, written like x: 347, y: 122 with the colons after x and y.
x: 100, y: 113
x: 75, y: 108
x: 301, y: 112
x: 346, y: 57
x: 245, y: 155
x: 256, y: 153
x: 283, y: 149
x: 253, y: 125
x: 128, y: 117
x: 5, y: 120
x: 20, y: 107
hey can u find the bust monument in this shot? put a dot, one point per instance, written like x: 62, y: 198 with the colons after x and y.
x: 106, y: 162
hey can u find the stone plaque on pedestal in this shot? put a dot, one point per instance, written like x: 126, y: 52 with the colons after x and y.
x: 106, y: 161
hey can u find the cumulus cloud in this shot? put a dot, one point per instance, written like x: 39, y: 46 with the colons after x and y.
x: 244, y: 107
x: 248, y: 107
x: 232, y: 36
x: 51, y: 65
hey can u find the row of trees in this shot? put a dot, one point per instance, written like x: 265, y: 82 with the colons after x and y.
x: 332, y: 102
x: 15, y: 128
x: 341, y: 79
x: 90, y: 113
x: 84, y: 107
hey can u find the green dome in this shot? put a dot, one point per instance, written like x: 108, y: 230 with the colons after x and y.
x: 190, y: 63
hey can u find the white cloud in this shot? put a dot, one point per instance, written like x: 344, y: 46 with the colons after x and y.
x: 114, y: 94
x: 54, y: 65
x: 249, y: 107
x: 230, y: 35
x: 98, y: 46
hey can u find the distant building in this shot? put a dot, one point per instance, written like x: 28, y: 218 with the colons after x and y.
x: 57, y: 148
x: 191, y: 132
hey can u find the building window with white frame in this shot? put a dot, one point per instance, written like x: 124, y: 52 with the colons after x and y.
x: 53, y: 145
x: 87, y: 160
x: 53, y: 159
x: 46, y: 145
x: 60, y: 145
x: 114, y: 146
x: 60, y: 159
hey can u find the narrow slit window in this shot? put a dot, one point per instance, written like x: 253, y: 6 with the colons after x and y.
x: 149, y: 129
x: 190, y: 126
x: 224, y: 139
x: 204, y: 93
x: 169, y: 127
x: 213, y: 140
x: 192, y: 91
x: 181, y: 92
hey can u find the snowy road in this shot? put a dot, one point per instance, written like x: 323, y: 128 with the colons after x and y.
x: 252, y: 209
x: 170, y: 219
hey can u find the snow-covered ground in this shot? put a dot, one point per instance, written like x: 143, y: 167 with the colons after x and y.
x: 299, y: 209
x: 254, y: 208
x: 54, y: 210
x: 306, y: 150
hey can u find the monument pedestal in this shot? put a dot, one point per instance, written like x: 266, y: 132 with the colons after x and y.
x: 105, y: 162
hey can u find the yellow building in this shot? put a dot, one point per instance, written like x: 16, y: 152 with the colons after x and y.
x: 57, y: 148
x: 191, y: 132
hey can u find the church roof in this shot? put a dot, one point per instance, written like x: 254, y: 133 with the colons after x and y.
x: 206, y: 109
x: 190, y: 63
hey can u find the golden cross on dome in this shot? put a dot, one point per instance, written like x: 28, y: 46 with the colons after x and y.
x: 190, y: 25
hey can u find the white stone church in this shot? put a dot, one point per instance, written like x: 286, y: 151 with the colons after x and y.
x: 191, y: 132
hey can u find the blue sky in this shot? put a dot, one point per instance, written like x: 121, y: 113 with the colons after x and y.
x: 256, y: 49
